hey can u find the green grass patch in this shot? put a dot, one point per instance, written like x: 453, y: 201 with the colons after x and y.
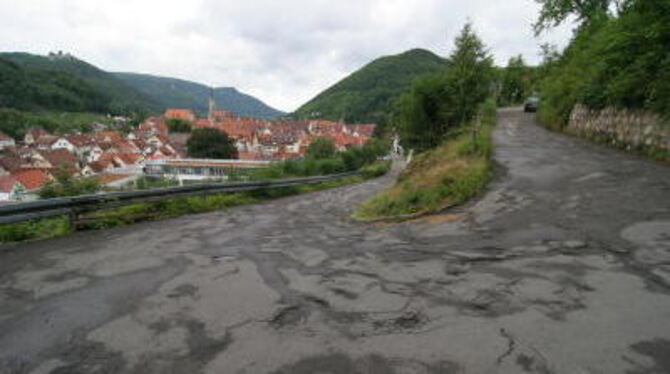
x: 449, y: 174
x: 34, y: 230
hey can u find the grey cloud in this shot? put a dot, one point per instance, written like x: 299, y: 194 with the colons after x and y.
x: 284, y: 52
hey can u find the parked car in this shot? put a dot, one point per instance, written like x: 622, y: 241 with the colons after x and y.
x: 531, y: 104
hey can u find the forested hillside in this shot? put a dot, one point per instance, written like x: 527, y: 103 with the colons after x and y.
x: 65, y: 83
x: 177, y: 93
x: 368, y: 94
x: 28, y: 88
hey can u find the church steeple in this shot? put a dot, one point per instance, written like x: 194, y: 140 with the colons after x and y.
x: 212, y: 106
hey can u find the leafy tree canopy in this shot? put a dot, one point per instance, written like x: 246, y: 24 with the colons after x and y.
x: 555, y: 12
x: 621, y: 61
x: 211, y: 143
x: 437, y: 103
x: 178, y: 125
x: 321, y: 147
x: 516, y: 82
x: 67, y: 185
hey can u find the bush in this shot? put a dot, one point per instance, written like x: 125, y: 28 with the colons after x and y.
x: 211, y: 143
x: 376, y: 169
x: 179, y: 125
x: 321, y: 147
x: 66, y: 185
x: 33, y: 230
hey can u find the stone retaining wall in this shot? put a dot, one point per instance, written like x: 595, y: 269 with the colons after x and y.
x: 623, y: 128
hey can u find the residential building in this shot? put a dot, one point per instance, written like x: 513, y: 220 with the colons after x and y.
x: 10, y: 188
x: 6, y: 141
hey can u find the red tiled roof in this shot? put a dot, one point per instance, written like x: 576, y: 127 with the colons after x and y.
x: 31, y: 178
x: 10, y: 162
x: 111, y: 136
x: 130, y: 158
x: 109, y: 178
x: 7, y: 183
x: 202, y: 123
x: 36, y: 132
x: 249, y: 156
x: 81, y: 140
x: 100, y: 165
x: 4, y: 136
x: 110, y: 157
x: 185, y: 114
x: 59, y: 158
x: 46, y: 140
x: 140, y: 143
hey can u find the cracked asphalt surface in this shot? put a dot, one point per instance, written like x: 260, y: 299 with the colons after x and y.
x: 563, y: 266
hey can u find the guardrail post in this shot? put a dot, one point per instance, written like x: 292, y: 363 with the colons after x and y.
x: 74, y: 219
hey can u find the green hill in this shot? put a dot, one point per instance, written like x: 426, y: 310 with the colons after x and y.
x: 65, y: 83
x: 177, y: 93
x: 367, y: 94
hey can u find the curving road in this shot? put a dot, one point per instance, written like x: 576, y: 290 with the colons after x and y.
x: 562, y: 267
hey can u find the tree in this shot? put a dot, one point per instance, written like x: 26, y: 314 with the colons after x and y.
x: 321, y: 147
x: 469, y: 75
x: 211, y: 143
x: 438, y: 103
x: 555, y: 12
x: 619, y: 61
x: 419, y: 117
x: 66, y: 184
x: 515, y: 81
x: 178, y: 125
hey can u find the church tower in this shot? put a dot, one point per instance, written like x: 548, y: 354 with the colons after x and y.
x: 212, y: 106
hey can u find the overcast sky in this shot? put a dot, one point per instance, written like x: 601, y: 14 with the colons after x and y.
x: 281, y: 51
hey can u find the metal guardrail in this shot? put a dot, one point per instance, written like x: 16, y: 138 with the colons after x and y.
x: 73, y: 206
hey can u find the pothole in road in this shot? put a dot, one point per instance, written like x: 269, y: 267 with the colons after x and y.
x: 291, y: 315
x: 406, y: 321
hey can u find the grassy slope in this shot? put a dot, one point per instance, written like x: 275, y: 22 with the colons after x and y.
x: 177, y: 93
x: 367, y: 94
x: 444, y: 176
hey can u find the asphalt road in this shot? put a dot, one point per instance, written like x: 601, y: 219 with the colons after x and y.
x: 562, y: 267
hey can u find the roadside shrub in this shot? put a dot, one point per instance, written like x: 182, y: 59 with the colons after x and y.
x: 66, y: 185
x: 376, y: 169
x: 32, y: 230
x: 321, y: 147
